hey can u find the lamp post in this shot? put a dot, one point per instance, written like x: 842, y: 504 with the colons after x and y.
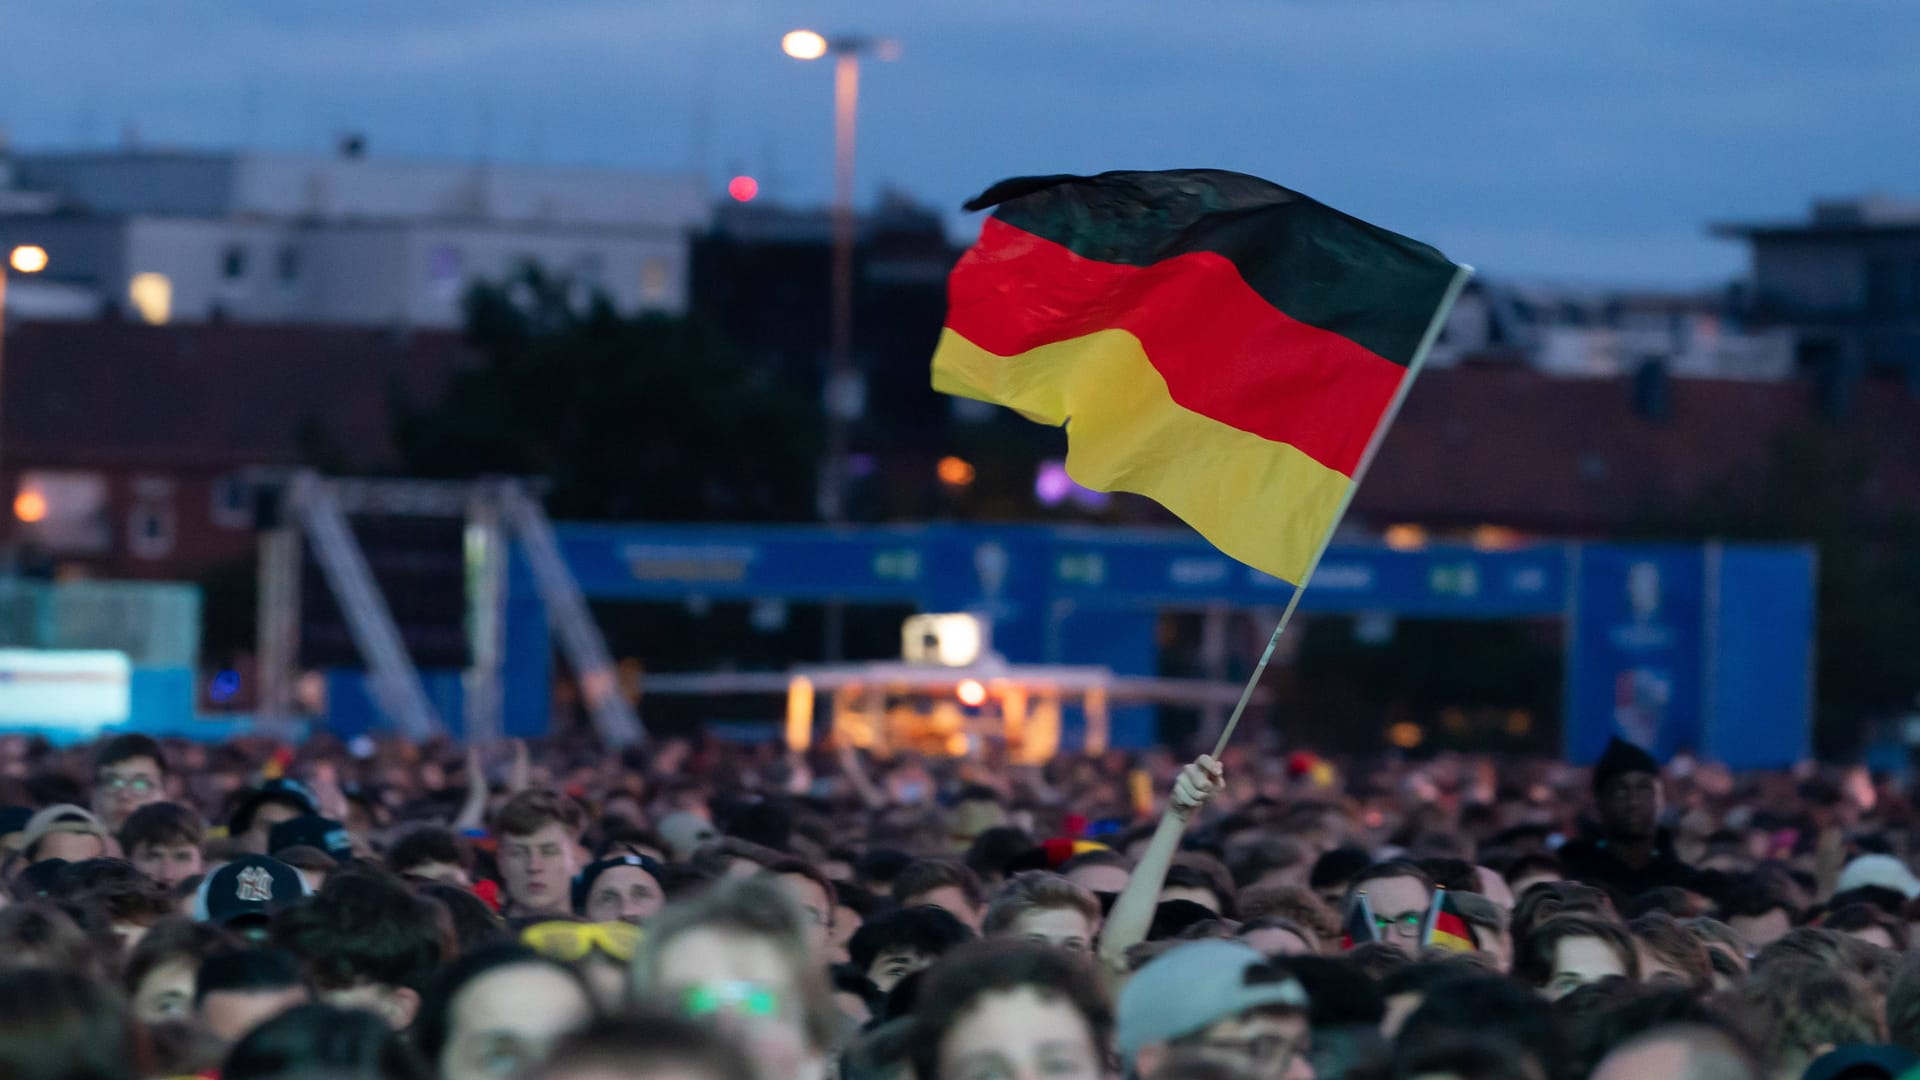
x: 843, y: 391
x: 24, y: 259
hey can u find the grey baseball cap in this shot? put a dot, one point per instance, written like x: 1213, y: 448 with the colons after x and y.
x: 1196, y: 985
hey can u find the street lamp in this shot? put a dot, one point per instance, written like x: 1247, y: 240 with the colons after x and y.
x: 25, y: 259
x: 843, y: 392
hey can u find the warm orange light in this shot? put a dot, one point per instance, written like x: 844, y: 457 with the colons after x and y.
x: 1405, y: 537
x: 30, y: 506
x: 1495, y: 537
x: 955, y: 472
x: 971, y: 693
x: 1405, y: 735
x: 28, y: 258
x: 804, y: 45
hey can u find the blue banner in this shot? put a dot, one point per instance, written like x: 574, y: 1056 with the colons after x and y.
x: 1635, y: 650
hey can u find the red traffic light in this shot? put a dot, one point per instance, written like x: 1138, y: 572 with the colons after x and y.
x: 743, y: 188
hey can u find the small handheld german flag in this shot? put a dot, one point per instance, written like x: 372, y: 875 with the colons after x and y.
x: 1445, y: 928
x: 1359, y: 927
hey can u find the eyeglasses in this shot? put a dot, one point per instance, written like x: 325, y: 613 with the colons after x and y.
x: 748, y: 999
x: 571, y: 942
x: 139, y: 785
x: 1406, y: 924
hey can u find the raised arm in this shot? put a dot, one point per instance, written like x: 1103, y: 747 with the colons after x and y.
x: 1133, y: 909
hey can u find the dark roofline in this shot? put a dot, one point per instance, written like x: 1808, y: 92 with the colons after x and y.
x: 1808, y: 230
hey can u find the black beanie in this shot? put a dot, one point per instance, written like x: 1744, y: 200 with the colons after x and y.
x: 1621, y: 758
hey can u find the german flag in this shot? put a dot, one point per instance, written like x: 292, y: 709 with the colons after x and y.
x: 1214, y: 341
x: 1359, y: 927
x: 1444, y: 928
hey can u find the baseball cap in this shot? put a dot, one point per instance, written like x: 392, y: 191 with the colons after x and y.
x: 311, y: 831
x: 61, y: 817
x: 252, y: 886
x: 1861, y: 1061
x: 280, y: 790
x: 583, y: 882
x: 1884, y: 871
x: 1196, y: 985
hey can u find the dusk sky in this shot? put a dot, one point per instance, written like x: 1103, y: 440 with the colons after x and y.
x: 1584, y: 141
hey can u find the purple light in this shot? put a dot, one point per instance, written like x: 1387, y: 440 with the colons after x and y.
x: 1052, y: 486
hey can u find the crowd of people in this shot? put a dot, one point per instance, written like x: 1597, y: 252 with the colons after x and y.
x: 389, y: 911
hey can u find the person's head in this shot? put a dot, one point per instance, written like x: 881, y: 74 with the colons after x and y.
x: 1399, y: 894
x: 1295, y: 903
x: 1488, y: 921
x: 245, y: 893
x: 1465, y: 1055
x: 163, y: 839
x: 1802, y: 1010
x: 1406, y: 989
x: 238, y: 990
x: 1003, y: 1009
x: 1760, y: 912
x: 1046, y: 908
x: 645, y: 1045
x: 1492, y: 1007
x: 367, y: 941
x: 431, y: 853
x: 1570, y: 951
x: 740, y: 952
x: 62, y: 1025
x: 1219, y: 996
x: 113, y: 890
x: 1626, y: 791
x: 316, y: 1040
x: 38, y: 934
x: 1333, y: 873
x: 160, y: 971
x: 1869, y: 924
x: 942, y: 883
x: 1533, y: 868
x: 539, y: 835
x: 1202, y: 879
x: 1544, y: 901
x: 1903, y: 1005
x: 1002, y: 851
x: 273, y: 802
x: 1274, y: 936
x: 810, y: 889
x: 1269, y: 860
x: 475, y: 925
x: 1681, y: 1052
x: 129, y: 772
x: 894, y: 946
x: 621, y: 888
x: 1100, y: 872
x: 64, y: 831
x: 496, y: 1012
x: 1669, y: 952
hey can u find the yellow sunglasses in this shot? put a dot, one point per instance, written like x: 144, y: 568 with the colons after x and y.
x: 571, y: 942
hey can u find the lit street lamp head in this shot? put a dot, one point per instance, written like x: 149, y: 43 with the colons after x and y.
x: 28, y: 259
x: 804, y: 45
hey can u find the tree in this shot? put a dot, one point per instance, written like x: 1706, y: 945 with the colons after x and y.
x: 629, y: 418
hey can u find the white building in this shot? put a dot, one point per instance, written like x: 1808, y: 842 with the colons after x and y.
x: 1575, y: 332
x: 347, y: 239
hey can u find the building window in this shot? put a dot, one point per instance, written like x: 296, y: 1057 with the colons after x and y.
x: 232, y: 503
x: 287, y: 264
x: 150, y: 530
x: 63, y: 513
x: 233, y: 263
